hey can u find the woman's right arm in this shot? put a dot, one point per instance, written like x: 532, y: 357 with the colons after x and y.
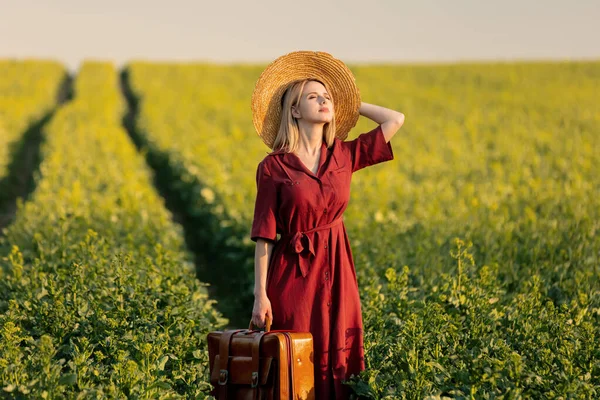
x: 262, y: 305
x: 264, y: 233
x: 262, y: 255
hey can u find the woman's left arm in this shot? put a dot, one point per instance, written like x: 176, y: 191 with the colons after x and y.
x: 390, y: 120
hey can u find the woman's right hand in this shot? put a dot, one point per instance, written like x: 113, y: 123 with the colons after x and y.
x: 262, y: 307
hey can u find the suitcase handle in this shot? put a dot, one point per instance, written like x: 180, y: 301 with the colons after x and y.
x: 268, y: 324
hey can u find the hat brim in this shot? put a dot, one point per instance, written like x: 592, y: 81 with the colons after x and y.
x: 274, y: 80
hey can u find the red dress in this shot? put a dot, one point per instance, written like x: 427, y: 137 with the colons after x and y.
x: 311, y: 280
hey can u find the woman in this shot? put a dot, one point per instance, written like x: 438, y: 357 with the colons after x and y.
x: 306, y: 281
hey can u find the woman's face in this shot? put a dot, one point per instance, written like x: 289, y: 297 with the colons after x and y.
x: 315, y: 105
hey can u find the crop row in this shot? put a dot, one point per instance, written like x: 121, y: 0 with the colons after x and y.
x: 98, y: 294
x: 29, y: 90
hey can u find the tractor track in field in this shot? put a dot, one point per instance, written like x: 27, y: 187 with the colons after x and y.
x: 19, y: 183
x: 172, y: 202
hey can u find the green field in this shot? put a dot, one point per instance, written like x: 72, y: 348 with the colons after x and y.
x: 477, y: 248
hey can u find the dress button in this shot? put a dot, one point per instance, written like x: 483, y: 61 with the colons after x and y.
x: 325, y: 211
x: 325, y: 246
x: 328, y: 303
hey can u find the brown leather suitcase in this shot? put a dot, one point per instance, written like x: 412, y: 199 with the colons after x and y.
x: 247, y: 364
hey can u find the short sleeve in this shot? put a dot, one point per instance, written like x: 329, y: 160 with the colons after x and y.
x: 265, y: 208
x: 369, y: 149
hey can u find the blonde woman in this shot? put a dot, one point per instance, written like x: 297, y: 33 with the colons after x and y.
x: 306, y: 280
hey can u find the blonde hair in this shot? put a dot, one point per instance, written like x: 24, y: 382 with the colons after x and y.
x: 288, y: 135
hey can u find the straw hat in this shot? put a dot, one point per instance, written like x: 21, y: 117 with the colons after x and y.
x: 298, y: 65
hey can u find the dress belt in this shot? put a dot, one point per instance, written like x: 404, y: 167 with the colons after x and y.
x: 296, y: 243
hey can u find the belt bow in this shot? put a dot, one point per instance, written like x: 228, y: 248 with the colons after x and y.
x: 302, y: 240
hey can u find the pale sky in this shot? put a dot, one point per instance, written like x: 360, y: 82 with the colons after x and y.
x: 367, y: 31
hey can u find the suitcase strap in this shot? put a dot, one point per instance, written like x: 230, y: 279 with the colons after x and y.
x: 290, y: 348
x: 224, y: 345
x: 289, y: 345
x: 255, y: 363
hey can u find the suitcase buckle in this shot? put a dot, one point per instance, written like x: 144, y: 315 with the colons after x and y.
x: 254, y: 379
x: 223, y: 376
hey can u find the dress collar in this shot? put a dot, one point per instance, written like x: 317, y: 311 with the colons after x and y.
x: 294, y: 161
